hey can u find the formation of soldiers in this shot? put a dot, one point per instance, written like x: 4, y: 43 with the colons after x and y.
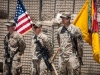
x: 70, y: 42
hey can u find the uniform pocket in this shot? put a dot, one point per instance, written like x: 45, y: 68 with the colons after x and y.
x: 13, y: 42
x: 73, y: 61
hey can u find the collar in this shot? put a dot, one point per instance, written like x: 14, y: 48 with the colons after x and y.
x: 68, y: 28
x: 39, y: 35
x: 11, y: 35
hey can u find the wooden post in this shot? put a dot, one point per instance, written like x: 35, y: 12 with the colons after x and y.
x: 52, y: 59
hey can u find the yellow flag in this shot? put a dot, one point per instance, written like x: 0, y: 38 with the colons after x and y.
x: 96, y: 46
x: 82, y: 22
x: 92, y: 38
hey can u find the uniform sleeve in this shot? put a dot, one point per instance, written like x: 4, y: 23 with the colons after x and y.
x: 58, y: 37
x: 33, y: 47
x: 32, y: 44
x: 80, y: 43
x: 21, y: 44
x: 48, y: 45
x: 5, y: 45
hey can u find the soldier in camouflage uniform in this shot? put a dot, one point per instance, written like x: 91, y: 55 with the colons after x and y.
x: 14, y: 46
x: 67, y: 47
x: 38, y: 65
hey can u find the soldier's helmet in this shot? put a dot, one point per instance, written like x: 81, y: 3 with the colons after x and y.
x: 37, y: 24
x: 10, y: 23
x: 66, y: 15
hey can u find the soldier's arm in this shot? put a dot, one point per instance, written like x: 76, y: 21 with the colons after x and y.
x: 80, y: 43
x: 5, y: 45
x: 58, y: 39
x: 48, y: 44
x: 21, y: 44
x: 33, y: 46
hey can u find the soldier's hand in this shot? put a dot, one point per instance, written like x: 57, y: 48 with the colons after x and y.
x: 50, y: 61
x: 20, y: 53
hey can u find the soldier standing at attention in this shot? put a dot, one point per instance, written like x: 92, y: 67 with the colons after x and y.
x: 14, y: 46
x: 38, y: 65
x: 71, y: 44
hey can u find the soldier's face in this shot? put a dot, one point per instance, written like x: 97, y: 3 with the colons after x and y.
x: 65, y: 20
x: 37, y: 30
x: 10, y: 28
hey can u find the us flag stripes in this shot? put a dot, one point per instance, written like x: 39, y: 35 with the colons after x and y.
x: 22, y: 19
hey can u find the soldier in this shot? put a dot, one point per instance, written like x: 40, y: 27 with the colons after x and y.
x: 38, y: 65
x: 14, y: 45
x: 71, y: 44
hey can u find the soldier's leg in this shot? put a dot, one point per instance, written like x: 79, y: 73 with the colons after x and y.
x: 62, y: 67
x: 5, y: 69
x: 17, y: 71
x: 16, y: 68
x: 14, y: 72
x: 35, y: 70
x: 43, y: 68
x: 77, y: 71
x: 1, y: 66
x: 72, y: 71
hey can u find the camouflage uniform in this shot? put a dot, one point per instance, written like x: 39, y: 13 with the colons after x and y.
x: 66, y: 45
x: 38, y: 65
x: 15, y: 42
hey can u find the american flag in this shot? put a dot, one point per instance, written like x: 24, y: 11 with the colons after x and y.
x: 22, y: 19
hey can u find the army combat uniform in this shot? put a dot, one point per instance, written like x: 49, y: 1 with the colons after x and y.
x: 66, y: 46
x: 15, y: 43
x: 38, y: 65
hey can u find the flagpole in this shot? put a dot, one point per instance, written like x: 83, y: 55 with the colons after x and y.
x: 8, y: 9
x: 73, y: 5
x: 40, y: 12
x: 55, y: 8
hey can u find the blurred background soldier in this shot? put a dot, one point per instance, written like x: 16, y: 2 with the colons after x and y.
x: 14, y: 47
x: 38, y: 65
x: 71, y: 44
